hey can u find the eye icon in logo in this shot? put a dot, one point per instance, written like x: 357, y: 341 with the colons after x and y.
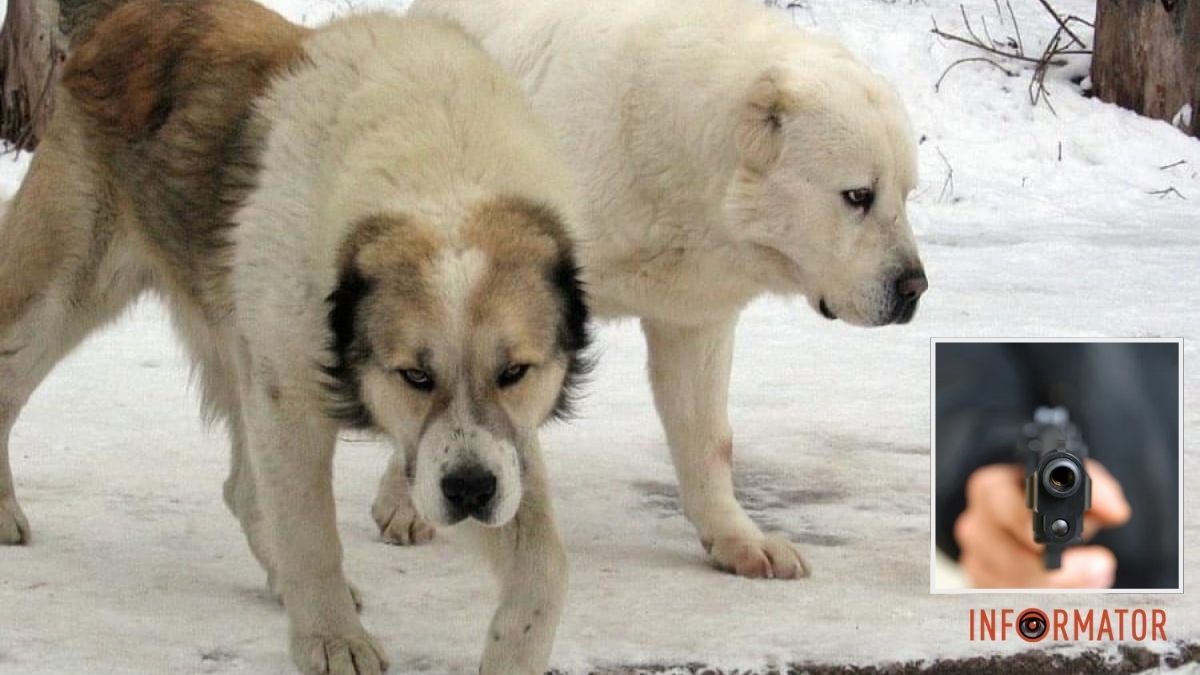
x: 1032, y: 624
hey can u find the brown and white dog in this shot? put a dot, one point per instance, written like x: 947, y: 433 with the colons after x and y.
x: 360, y: 225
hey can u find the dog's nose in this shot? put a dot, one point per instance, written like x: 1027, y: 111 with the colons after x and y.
x: 911, y: 285
x: 469, y: 489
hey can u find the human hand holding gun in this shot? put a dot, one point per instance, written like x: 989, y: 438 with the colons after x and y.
x: 998, y: 545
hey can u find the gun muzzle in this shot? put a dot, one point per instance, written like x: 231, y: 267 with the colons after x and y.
x: 1058, y: 489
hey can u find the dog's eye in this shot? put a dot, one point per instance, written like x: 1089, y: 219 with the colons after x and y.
x: 417, y: 378
x: 859, y: 198
x: 512, y: 375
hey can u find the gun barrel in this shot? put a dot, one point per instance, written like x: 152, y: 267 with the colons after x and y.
x: 1062, y: 476
x: 1057, y: 487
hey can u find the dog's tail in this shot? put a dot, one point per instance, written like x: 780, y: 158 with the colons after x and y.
x: 77, y: 18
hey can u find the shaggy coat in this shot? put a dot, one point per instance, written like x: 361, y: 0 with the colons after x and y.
x: 721, y: 154
x: 360, y: 225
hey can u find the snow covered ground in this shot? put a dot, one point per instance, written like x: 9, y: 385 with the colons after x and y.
x: 1048, y: 230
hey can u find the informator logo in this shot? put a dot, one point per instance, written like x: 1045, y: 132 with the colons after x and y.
x: 1068, y: 625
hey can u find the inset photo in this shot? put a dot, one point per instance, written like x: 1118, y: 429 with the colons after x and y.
x: 1057, y: 465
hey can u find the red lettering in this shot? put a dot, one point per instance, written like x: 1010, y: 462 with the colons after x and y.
x: 987, y: 625
x: 1138, y: 617
x: 1120, y: 622
x: 1159, y: 623
x: 1083, y: 624
x: 1105, y: 627
x: 1060, y: 625
x: 1005, y: 622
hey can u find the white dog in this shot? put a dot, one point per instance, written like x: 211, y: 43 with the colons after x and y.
x: 360, y: 225
x: 722, y: 154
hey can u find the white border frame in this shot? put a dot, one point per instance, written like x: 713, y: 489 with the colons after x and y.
x: 933, y: 589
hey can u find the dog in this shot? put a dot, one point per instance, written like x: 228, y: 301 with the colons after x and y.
x: 358, y: 226
x: 721, y: 154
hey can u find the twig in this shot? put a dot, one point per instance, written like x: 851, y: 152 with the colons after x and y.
x: 1037, y: 83
x: 1062, y: 24
x: 938, y: 85
x: 1165, y: 192
x: 991, y: 40
x: 1018, y: 57
x: 1064, y: 42
x: 948, y: 184
x: 1016, y: 27
x: 967, y: 23
x: 1172, y: 165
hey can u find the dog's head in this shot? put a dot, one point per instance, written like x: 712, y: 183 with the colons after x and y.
x: 458, y: 340
x: 825, y: 163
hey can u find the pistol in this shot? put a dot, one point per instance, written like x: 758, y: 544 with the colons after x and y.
x: 1057, y: 487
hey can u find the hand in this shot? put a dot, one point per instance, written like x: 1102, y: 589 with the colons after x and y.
x: 995, y: 536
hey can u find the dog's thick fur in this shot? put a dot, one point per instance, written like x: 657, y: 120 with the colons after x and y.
x: 360, y: 225
x: 721, y: 154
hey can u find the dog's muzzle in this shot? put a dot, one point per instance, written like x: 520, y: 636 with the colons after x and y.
x: 907, y: 293
x: 469, y: 492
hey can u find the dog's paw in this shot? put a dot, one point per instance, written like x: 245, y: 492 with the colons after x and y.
x: 357, y: 654
x: 767, y: 557
x: 14, y: 528
x: 398, y: 521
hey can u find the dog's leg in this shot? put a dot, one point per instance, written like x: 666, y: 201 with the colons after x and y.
x: 208, y: 345
x: 242, y: 499
x: 527, y: 556
x: 393, y: 509
x: 14, y: 527
x: 689, y: 372
x: 37, y: 338
x: 65, y: 269
x: 290, y: 447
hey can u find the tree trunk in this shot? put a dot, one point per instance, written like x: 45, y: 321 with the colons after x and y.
x: 31, y: 50
x: 1147, y: 58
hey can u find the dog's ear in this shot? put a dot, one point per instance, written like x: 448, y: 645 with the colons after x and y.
x: 574, y: 331
x: 760, y: 129
x: 348, y: 349
x: 764, y: 111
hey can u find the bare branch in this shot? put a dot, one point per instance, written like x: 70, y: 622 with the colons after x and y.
x: 979, y: 45
x: 967, y: 24
x: 1166, y: 192
x: 1062, y: 24
x: 1017, y: 28
x: 948, y: 184
x: 983, y: 59
x: 1060, y: 45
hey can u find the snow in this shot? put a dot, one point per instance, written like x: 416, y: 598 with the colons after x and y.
x: 1183, y: 118
x: 1050, y: 228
